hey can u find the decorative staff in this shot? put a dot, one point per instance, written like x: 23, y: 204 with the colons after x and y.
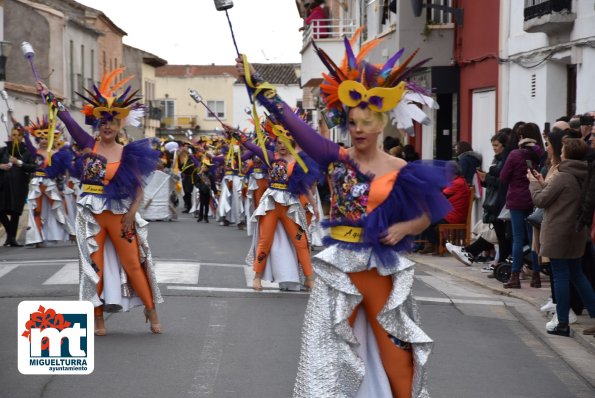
x: 29, y: 54
x: 224, y: 5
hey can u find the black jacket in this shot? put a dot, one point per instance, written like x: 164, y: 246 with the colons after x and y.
x: 14, y: 183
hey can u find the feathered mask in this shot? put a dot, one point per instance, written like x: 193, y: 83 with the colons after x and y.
x: 41, y: 129
x: 104, y: 105
x: 380, y: 88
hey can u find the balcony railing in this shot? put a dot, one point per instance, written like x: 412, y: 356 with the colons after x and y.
x: 328, y: 29
x: 179, y: 121
x: 538, y: 8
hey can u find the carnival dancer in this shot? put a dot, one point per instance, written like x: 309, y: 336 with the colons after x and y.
x: 231, y: 207
x: 16, y: 164
x: 48, y: 216
x: 281, y: 206
x: 361, y: 336
x: 116, y: 269
x: 205, y: 185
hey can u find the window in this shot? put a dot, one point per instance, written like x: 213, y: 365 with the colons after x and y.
x: 83, y: 61
x: 92, y: 74
x: 168, y: 107
x: 104, y: 63
x: 436, y: 16
x: 149, y: 93
x: 72, y: 88
x: 218, y: 107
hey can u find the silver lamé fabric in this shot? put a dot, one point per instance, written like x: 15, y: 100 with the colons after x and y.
x: 329, y: 366
x: 86, y: 230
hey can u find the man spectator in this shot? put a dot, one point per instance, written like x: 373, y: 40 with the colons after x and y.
x: 586, y: 121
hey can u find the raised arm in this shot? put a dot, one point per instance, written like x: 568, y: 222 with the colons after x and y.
x: 322, y: 150
x: 30, y: 146
x: 256, y: 150
x: 77, y: 133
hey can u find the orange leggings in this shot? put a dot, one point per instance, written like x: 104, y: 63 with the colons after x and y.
x: 39, y: 203
x: 266, y: 229
x: 262, y: 186
x: 111, y: 225
x: 398, y: 363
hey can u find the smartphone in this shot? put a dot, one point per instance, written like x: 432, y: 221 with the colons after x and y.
x: 529, y: 164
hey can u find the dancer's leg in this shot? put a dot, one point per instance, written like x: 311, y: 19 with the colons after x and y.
x: 300, y: 241
x: 266, y: 232
x: 397, y: 362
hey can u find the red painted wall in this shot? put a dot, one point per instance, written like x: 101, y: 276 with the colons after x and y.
x: 476, y: 53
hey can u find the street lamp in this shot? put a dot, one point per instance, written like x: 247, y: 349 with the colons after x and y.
x: 5, y: 47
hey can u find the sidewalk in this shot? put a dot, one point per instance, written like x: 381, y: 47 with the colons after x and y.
x: 534, y: 297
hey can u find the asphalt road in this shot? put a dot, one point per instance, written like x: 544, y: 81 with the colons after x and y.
x: 223, y: 340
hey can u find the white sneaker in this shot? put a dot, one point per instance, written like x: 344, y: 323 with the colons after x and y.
x: 460, y: 254
x: 488, y: 269
x: 549, y: 306
x: 551, y: 325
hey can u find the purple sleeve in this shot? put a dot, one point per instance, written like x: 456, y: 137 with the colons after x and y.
x: 506, y: 173
x: 218, y: 159
x: 256, y: 150
x: 322, y: 150
x: 30, y: 146
x: 247, y: 155
x: 81, y: 137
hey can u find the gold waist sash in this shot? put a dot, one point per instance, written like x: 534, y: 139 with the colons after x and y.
x: 94, y: 189
x: 346, y: 233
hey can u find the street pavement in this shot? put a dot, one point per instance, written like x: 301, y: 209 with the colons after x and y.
x: 221, y: 339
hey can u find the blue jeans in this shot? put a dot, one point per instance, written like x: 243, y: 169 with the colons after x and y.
x: 521, y: 232
x: 567, y: 270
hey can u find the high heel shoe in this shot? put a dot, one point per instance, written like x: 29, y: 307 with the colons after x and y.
x: 155, y: 327
x: 100, y: 331
x: 309, y: 283
x: 257, y: 283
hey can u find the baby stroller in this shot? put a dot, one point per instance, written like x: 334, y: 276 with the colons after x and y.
x: 503, y: 269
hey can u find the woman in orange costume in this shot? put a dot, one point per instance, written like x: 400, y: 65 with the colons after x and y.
x: 360, y: 336
x: 115, y: 262
x: 281, y: 203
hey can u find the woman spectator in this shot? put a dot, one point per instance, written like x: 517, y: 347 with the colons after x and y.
x: 560, y: 240
x: 490, y: 180
x: 469, y: 160
x: 317, y: 19
x: 518, y: 197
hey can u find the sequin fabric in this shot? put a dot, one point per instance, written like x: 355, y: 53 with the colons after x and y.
x: 87, y: 228
x: 278, y: 172
x: 329, y: 366
x: 351, y: 190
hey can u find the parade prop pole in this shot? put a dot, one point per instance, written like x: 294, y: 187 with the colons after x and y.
x: 29, y: 53
x: 198, y: 99
x: 4, y: 96
x: 224, y: 5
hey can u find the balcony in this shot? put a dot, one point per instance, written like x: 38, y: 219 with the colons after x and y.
x: 328, y: 34
x: 548, y: 16
x: 179, y: 122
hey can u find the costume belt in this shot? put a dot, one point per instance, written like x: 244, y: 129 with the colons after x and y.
x: 257, y: 170
x: 229, y: 172
x: 40, y: 174
x: 93, y: 189
x: 347, y: 233
x: 277, y: 185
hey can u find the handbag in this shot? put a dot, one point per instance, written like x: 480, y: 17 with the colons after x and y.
x: 535, y: 218
x: 504, y: 214
x: 490, y: 206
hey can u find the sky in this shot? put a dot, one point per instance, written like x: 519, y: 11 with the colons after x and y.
x: 194, y: 32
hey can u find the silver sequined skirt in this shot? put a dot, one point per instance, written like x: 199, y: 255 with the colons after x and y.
x: 329, y: 366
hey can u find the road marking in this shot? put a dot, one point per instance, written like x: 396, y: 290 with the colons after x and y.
x: 228, y: 289
x: 457, y: 301
x: 209, y: 360
x: 5, y: 269
x: 38, y: 262
x: 165, y: 271
x: 224, y: 265
x: 67, y: 275
x: 249, y: 274
x: 177, y: 272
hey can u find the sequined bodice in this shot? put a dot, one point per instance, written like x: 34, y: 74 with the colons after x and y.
x: 94, y: 168
x: 351, y: 191
x: 279, y: 174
